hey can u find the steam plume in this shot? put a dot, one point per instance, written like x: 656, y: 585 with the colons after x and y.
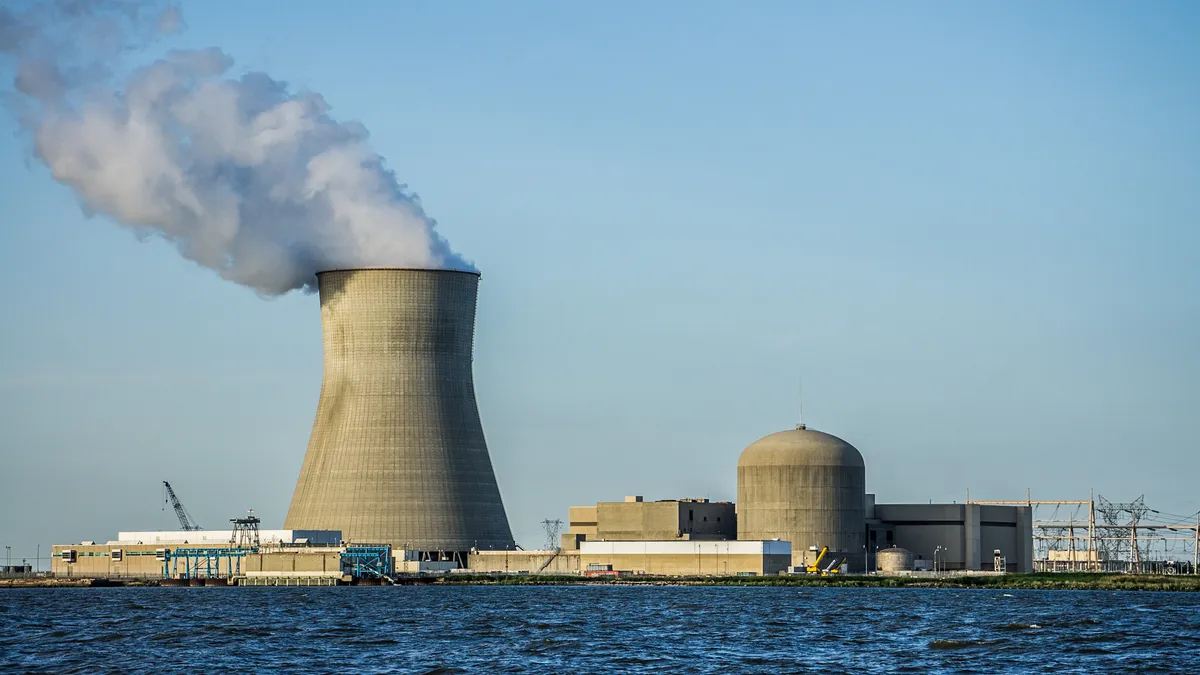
x: 241, y: 174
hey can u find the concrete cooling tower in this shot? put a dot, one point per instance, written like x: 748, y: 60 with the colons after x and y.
x: 397, y: 453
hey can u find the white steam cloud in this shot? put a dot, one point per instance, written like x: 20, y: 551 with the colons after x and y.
x: 241, y: 174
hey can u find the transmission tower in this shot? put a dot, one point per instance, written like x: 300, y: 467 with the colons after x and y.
x: 552, y: 528
x: 1119, y: 517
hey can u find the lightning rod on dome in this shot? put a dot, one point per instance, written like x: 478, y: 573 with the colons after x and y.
x: 800, y: 425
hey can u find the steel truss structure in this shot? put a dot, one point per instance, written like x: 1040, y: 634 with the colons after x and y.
x: 366, y: 561
x: 1098, y: 535
x: 203, y: 563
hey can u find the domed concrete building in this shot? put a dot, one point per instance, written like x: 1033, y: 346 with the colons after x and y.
x: 805, y: 487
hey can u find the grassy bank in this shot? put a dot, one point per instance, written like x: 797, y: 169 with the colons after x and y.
x: 71, y: 582
x: 1064, y: 581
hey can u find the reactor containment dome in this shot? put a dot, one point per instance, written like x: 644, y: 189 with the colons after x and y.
x: 805, y: 487
x: 397, y: 453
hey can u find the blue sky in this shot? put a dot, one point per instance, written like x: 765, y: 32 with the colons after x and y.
x: 973, y: 229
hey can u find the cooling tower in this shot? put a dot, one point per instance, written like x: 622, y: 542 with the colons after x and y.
x: 397, y: 453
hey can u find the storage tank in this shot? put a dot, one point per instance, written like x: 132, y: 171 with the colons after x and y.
x: 894, y: 560
x: 397, y: 453
x: 805, y: 487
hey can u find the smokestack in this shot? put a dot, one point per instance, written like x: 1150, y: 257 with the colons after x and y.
x: 397, y: 453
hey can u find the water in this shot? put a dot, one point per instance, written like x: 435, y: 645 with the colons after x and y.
x: 597, y: 629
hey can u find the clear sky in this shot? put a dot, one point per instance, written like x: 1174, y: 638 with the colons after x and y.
x: 974, y: 229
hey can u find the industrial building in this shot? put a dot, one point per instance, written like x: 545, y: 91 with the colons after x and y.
x: 677, y: 557
x: 638, y: 520
x: 955, y: 536
x: 524, y: 562
x: 397, y: 453
x: 686, y: 557
x: 223, y: 537
x: 146, y: 554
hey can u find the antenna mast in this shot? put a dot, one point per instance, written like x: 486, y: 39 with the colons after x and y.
x: 801, y: 424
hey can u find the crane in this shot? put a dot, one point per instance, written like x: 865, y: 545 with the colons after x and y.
x: 185, y: 521
x: 831, y: 568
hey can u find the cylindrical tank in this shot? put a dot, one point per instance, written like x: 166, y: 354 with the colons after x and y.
x: 805, y: 487
x: 894, y: 560
x: 397, y: 453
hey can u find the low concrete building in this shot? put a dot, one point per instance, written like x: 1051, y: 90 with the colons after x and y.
x: 141, y: 554
x: 112, y: 560
x: 303, y: 562
x: 638, y: 520
x: 957, y: 536
x: 524, y: 562
x: 686, y: 558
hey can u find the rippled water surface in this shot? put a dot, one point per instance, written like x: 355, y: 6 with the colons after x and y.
x: 597, y: 629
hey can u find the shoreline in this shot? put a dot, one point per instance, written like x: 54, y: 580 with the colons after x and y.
x: 1036, y: 581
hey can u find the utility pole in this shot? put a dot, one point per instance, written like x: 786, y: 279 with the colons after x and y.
x: 1196, y: 546
x: 1071, y: 543
x: 1134, y: 560
x: 1093, y: 556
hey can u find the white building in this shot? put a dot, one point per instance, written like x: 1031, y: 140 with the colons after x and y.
x: 222, y: 537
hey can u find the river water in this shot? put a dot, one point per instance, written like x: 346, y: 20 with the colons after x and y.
x: 594, y: 629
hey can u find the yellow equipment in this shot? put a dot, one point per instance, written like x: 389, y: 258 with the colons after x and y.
x: 834, y: 566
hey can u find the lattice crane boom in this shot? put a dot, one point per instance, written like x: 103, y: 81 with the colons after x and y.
x: 185, y: 521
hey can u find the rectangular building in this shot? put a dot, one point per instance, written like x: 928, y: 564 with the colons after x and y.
x: 223, y: 537
x: 958, y: 536
x: 687, y: 558
x: 638, y: 520
x: 524, y: 562
x: 100, y: 561
x: 140, y: 554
